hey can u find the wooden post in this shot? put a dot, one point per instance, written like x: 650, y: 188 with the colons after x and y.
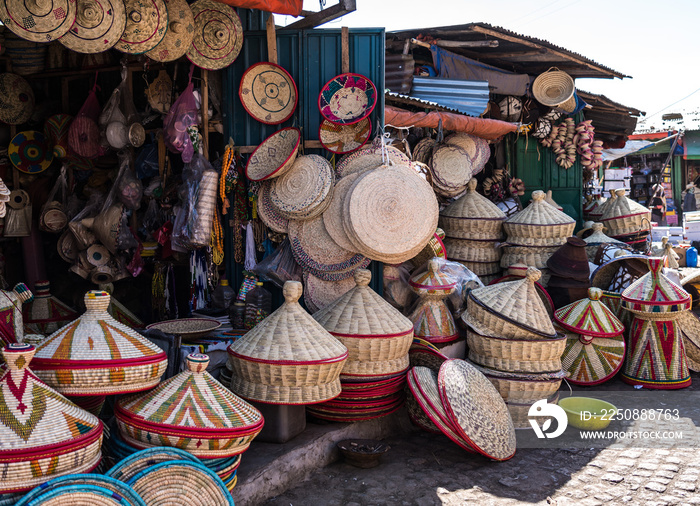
x: 271, y: 40
x: 345, y: 49
x: 205, y: 113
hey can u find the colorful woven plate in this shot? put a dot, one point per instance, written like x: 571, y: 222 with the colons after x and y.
x: 81, y: 494
x: 341, y: 139
x: 38, y: 21
x: 347, y: 98
x: 99, y: 24
x: 117, y: 487
x: 28, y: 152
x: 218, y: 35
x: 476, y: 409
x: 146, y: 24
x: 268, y: 93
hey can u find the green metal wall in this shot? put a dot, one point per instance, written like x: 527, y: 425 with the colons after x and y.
x: 312, y: 57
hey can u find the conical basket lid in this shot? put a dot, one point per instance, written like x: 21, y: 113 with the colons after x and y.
x: 602, y: 206
x: 654, y: 292
x: 289, y: 335
x: 517, y: 301
x: 36, y: 418
x: 192, y: 401
x: 598, y: 237
x: 589, y: 317
x: 432, y: 280
x: 363, y: 312
x: 539, y: 212
x: 96, y: 339
x: 473, y: 205
x: 622, y: 207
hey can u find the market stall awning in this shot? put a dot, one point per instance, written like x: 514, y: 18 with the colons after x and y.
x: 639, y: 147
x: 489, y: 129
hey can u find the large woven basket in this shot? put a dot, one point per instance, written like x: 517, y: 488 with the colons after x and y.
x: 624, y: 216
x: 539, y: 224
x: 481, y: 268
x: 473, y: 217
x: 529, y: 255
x: 288, y: 358
x: 472, y: 251
x: 516, y: 387
x: 516, y: 355
x: 476, y: 147
x: 553, y: 87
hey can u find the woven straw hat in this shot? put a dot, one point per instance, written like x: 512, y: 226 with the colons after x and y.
x: 368, y: 158
x: 655, y: 293
x: 218, y: 35
x: 29, y: 152
x: 476, y: 409
x: 275, y: 155
x: 40, y: 20
x: 539, y: 224
x: 178, y: 37
x: 390, y: 214
x: 191, y: 402
x: 268, y: 93
x: 146, y: 24
x: 516, y: 302
x: 553, y: 87
x: 347, y: 98
x: 476, y: 147
x: 79, y: 358
x: 267, y: 212
x: 288, y: 358
x: 625, y: 216
x: 305, y: 190
x: 341, y: 139
x: 16, y: 99
x: 316, y: 251
x: 38, y: 419
x: 318, y: 293
x: 451, y: 166
x: 99, y: 24
x: 473, y: 216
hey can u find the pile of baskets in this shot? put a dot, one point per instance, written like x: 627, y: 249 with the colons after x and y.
x: 627, y: 220
x: 511, y: 338
x: 535, y: 233
x: 473, y: 226
x: 378, y: 338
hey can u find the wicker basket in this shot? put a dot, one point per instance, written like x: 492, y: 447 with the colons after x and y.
x: 529, y: 255
x: 539, y: 224
x: 527, y: 389
x: 481, y: 268
x: 625, y: 217
x: 472, y: 251
x: 473, y: 217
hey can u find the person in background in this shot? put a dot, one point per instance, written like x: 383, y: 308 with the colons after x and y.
x: 658, y: 204
x: 689, y: 204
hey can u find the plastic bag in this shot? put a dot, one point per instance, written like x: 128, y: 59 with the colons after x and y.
x: 147, y: 161
x: 182, y: 115
x: 187, y: 214
x: 84, y: 133
x: 280, y: 266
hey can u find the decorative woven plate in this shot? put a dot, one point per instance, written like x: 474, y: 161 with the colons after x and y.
x: 218, y: 35
x: 476, y: 147
x: 28, y: 152
x: 178, y: 37
x: 476, y: 409
x: 83, y: 494
x: 341, y: 139
x: 268, y: 93
x: 38, y: 21
x: 368, y: 158
x: 451, y: 166
x: 187, y: 328
x: 274, y: 156
x: 129, y: 466
x: 75, y: 482
x: 347, y: 98
x: 99, y: 24
x: 146, y: 24
x: 267, y: 212
x: 16, y: 99
x: 303, y: 191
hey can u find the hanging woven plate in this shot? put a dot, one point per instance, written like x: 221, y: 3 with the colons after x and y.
x: 268, y: 93
x: 267, y: 212
x: 319, y: 293
x: 347, y: 98
x: 303, y: 191
x: 342, y: 139
x: 367, y: 158
x: 38, y: 20
x: 27, y: 151
x: 218, y: 35
x: 99, y: 24
x: 275, y: 155
x: 178, y: 37
x: 333, y: 216
x: 146, y: 24
x: 16, y: 99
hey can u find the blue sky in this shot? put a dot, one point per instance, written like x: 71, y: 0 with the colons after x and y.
x: 657, y: 43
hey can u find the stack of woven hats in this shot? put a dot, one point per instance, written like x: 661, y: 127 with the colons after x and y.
x: 288, y: 358
x: 535, y: 233
x: 42, y: 434
x: 194, y: 412
x: 378, y: 338
x: 511, y: 337
x: 473, y: 226
x: 569, y: 273
x: 627, y: 220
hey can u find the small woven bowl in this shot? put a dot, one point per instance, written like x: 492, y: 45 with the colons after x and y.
x: 363, y: 453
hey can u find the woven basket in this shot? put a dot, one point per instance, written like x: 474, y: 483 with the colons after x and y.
x: 305, y: 190
x: 77, y: 483
x: 553, y: 88
x: 481, y: 268
x: 472, y: 251
x: 473, y: 217
x: 131, y: 465
x: 476, y: 147
x: 423, y: 150
x: 318, y: 293
x: 417, y: 415
x: 451, y: 166
x: 368, y: 158
x: 333, y: 215
x: 103, y: 381
x: 275, y: 155
x: 517, y: 355
x: 267, y: 212
x: 625, y: 217
x: 528, y: 255
x: 539, y: 224
x: 690, y: 332
x: 654, y: 296
x: 524, y: 390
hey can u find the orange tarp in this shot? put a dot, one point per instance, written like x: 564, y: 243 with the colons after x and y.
x: 489, y: 129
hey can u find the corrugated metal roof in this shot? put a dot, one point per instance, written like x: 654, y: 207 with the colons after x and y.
x: 465, y: 96
x: 399, y: 98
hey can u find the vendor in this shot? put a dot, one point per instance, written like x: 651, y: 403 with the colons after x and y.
x: 658, y: 204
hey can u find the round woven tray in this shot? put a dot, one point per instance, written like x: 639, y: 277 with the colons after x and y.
x: 275, y: 155
x: 367, y: 158
x: 476, y: 147
x: 218, y: 35
x: 423, y: 150
x: 347, y: 98
x: 305, y: 191
x: 75, y: 483
x: 341, y: 139
x: 268, y: 93
x: 319, y: 293
x: 146, y: 25
x: 187, y: 328
x: 417, y: 415
x: 451, y: 166
x: 267, y: 212
x: 130, y: 466
x: 333, y: 216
